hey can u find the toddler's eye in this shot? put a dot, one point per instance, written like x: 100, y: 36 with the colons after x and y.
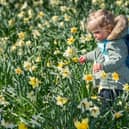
x: 96, y: 32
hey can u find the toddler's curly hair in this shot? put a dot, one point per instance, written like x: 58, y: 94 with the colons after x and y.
x: 100, y: 19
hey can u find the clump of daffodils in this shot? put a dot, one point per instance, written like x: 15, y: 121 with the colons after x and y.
x: 86, y: 105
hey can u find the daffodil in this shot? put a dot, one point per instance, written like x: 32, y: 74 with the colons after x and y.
x: 65, y: 72
x: 56, y: 52
x: 88, y: 77
x: 3, y: 101
x: 70, y: 52
x: 27, y: 65
x: 34, y: 82
x: 40, y: 14
x: 55, y: 18
x: 70, y: 40
x: 103, y: 75
x: 22, y: 126
x: 49, y: 63
x: 60, y: 65
x: 67, y: 17
x: 94, y: 111
x: 117, y: 115
x: 83, y: 124
x: 126, y: 87
x: 61, y: 100
x: 74, y: 30
x: 119, y: 2
x: 75, y: 59
x: 88, y: 37
x: 20, y: 43
x: 21, y: 35
x: 94, y: 97
x: 18, y: 71
x: 11, y: 22
x: 38, y: 59
x: 85, y: 104
x: 36, y: 33
x: 115, y: 76
x: 33, y: 68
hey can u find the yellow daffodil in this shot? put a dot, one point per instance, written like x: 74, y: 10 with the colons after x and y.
x: 70, y: 41
x: 115, y: 76
x: 34, y: 82
x: 33, y: 68
x: 21, y: 35
x: 61, y: 100
x: 27, y: 65
x: 56, y: 52
x: 119, y: 2
x: 55, y: 18
x: 20, y: 43
x: 13, y: 48
x: 75, y: 59
x: 22, y: 126
x: 88, y: 37
x: 94, y: 97
x: 117, y: 115
x: 103, y: 75
x: 36, y: 33
x: 18, y: 71
x: 38, y: 59
x: 40, y: 14
x: 88, y: 77
x: 70, y: 52
x: 11, y: 22
x: 60, y: 65
x: 3, y: 101
x: 67, y: 17
x: 83, y: 124
x: 74, y: 30
x: 49, y: 63
x: 126, y: 87
x: 26, y: 20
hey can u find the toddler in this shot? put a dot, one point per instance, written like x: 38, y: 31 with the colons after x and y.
x: 111, y: 52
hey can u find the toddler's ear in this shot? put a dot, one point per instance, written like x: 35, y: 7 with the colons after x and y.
x: 121, y: 23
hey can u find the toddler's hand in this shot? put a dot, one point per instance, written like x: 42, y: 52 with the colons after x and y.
x: 82, y: 59
x: 97, y: 67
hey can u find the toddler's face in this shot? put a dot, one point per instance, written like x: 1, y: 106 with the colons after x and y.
x: 100, y: 34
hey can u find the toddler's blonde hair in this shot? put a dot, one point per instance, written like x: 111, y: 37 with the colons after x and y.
x: 100, y: 19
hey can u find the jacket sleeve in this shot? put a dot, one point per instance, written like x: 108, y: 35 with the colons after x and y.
x: 90, y: 56
x: 117, y: 52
